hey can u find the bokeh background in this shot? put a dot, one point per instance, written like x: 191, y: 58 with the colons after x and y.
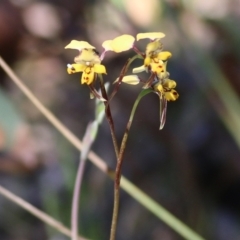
x: 191, y: 167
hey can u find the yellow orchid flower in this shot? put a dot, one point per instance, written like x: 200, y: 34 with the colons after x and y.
x: 119, y: 44
x: 166, y: 90
x: 88, y: 62
x: 157, y: 64
x: 88, y: 71
x: 155, y: 55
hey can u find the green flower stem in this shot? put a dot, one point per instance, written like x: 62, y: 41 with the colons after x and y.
x: 119, y: 165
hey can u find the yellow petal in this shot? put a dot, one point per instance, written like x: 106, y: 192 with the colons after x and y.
x: 119, y: 44
x: 153, y: 48
x: 164, y: 56
x: 171, y: 95
x: 151, y: 35
x: 79, y: 45
x: 87, y: 76
x: 159, y: 88
x: 107, y: 45
x: 73, y: 68
x: 131, y: 79
x: 165, y: 73
x: 99, y: 68
x: 87, y: 57
x: 147, y: 61
x: 157, y: 67
x: 122, y: 43
x: 170, y: 84
x: 139, y: 69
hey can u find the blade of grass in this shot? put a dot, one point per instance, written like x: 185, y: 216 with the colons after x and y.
x: 36, y: 212
x: 76, y: 199
x: 88, y: 139
x: 159, y: 211
x: 167, y: 217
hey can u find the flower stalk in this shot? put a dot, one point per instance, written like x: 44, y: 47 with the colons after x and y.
x: 108, y: 115
x: 119, y: 165
x: 154, y: 62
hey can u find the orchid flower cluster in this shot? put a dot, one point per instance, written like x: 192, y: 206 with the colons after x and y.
x: 154, y: 62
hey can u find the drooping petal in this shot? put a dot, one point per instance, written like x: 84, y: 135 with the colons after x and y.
x: 131, y: 79
x: 99, y: 68
x: 75, y: 67
x: 150, y: 35
x: 119, y: 44
x: 79, y: 45
x: 139, y: 69
x: 162, y: 111
x: 87, y: 76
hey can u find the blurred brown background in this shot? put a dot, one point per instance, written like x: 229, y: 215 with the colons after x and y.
x: 191, y: 167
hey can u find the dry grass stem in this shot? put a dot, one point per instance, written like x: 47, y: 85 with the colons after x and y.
x: 36, y: 212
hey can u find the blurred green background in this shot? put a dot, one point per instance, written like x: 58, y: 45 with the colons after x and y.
x: 191, y: 167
